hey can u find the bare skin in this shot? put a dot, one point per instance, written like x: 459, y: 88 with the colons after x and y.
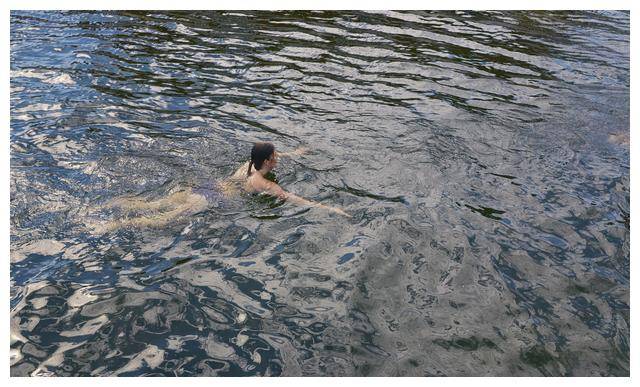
x: 166, y: 210
x: 256, y: 182
x: 620, y: 138
x: 161, y: 212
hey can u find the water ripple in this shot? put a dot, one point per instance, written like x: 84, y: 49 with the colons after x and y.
x: 484, y: 157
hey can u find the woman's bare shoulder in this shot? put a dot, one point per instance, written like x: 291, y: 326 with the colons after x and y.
x: 234, y: 183
x: 260, y: 184
x: 253, y: 183
x: 241, y: 172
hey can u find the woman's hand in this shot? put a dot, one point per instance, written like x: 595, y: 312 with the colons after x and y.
x: 336, y: 210
x: 300, y: 151
x: 304, y: 202
x: 339, y: 211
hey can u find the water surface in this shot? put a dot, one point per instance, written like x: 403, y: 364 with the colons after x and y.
x: 484, y: 157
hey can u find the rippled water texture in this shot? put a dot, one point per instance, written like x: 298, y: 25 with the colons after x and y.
x: 484, y: 157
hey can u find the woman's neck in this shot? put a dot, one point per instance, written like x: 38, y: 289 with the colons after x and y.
x: 263, y: 171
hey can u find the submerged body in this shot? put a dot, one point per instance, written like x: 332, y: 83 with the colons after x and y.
x: 189, y: 201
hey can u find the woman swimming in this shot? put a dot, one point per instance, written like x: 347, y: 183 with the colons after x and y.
x: 249, y: 177
x: 263, y: 159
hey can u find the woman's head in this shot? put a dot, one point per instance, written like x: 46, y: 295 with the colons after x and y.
x: 262, y: 154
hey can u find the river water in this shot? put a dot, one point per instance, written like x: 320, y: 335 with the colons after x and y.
x: 483, y: 156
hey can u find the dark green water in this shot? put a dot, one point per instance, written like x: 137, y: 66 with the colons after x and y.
x: 484, y: 157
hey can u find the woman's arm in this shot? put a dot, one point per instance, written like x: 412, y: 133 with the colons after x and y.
x: 302, y: 201
x: 298, y: 152
x: 275, y: 190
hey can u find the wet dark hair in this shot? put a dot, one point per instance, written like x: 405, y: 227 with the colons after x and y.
x: 260, y: 152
